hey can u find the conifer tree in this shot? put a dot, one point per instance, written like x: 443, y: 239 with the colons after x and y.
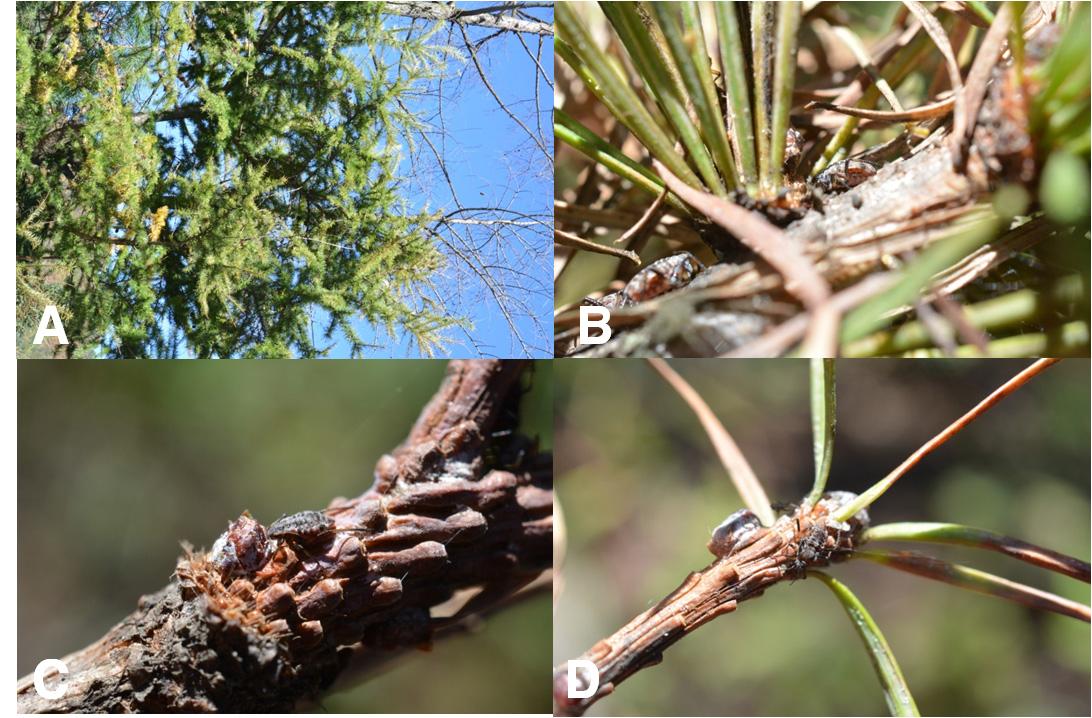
x: 218, y: 179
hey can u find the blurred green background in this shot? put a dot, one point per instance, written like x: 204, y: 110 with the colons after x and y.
x: 121, y: 461
x: 641, y: 489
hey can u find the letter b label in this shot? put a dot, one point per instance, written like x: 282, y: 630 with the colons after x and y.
x: 597, y: 317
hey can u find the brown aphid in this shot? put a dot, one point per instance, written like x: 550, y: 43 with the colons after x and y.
x: 662, y: 276
x: 845, y: 175
x: 242, y: 549
x: 794, y: 150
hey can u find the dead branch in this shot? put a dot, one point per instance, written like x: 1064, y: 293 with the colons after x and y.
x: 268, y: 619
x: 491, y: 17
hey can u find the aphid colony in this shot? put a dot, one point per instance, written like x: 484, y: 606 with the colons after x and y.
x: 676, y: 271
x: 247, y: 545
x: 821, y: 542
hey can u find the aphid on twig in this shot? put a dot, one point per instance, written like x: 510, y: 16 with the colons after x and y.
x: 662, y: 276
x: 305, y: 527
x: 811, y: 549
x: 824, y: 541
x: 242, y: 549
x: 794, y: 150
x: 739, y: 530
x: 843, y: 176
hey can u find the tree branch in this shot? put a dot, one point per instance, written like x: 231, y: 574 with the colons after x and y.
x: 785, y: 550
x: 482, y: 17
x: 262, y: 623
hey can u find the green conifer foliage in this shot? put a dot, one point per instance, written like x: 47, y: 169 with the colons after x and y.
x: 205, y: 178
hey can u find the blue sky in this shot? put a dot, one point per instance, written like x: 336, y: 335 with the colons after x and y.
x: 492, y: 163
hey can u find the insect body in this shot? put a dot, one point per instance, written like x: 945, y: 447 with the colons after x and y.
x: 813, y: 547
x: 243, y: 548
x: 306, y: 528
x: 303, y: 527
x: 662, y: 276
x: 738, y: 531
x: 827, y: 540
x: 794, y: 150
x: 844, y: 175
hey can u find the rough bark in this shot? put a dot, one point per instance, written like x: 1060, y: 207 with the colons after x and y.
x: 464, y: 504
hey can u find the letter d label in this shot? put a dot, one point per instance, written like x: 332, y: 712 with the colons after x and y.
x: 583, y: 673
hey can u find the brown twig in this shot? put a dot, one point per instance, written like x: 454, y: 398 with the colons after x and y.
x: 924, y: 112
x: 572, y: 241
x: 775, y: 554
x: 264, y: 622
x: 647, y: 221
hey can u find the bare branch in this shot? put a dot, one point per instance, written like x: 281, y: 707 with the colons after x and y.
x: 491, y: 16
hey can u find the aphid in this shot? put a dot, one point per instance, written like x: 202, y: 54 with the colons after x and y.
x: 826, y: 540
x: 811, y: 549
x: 243, y: 548
x: 844, y: 175
x: 739, y: 530
x: 813, y: 546
x: 662, y: 276
x: 305, y: 528
x: 794, y: 150
x: 834, y: 500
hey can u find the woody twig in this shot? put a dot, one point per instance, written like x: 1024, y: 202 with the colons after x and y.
x: 807, y: 538
x: 462, y: 510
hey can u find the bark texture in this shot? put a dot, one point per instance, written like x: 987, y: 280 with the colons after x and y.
x: 807, y: 538
x: 461, y: 510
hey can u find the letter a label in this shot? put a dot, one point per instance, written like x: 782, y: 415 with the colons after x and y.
x: 51, y: 326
